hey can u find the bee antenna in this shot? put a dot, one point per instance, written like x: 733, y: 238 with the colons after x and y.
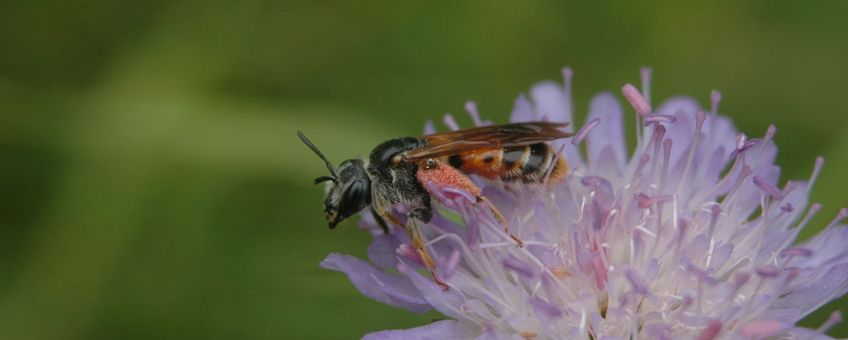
x: 318, y: 152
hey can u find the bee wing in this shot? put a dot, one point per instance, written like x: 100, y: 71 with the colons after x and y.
x: 487, y: 137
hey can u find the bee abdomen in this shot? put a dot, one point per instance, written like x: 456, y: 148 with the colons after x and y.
x: 535, y: 162
x: 525, y: 163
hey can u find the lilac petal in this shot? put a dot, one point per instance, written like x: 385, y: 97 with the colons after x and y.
x: 446, y: 302
x: 551, y: 102
x: 827, y: 245
x: 607, y: 165
x: 610, y: 132
x: 522, y: 110
x: 683, y: 130
x: 381, y: 252
x: 444, y: 329
x: 387, y: 288
x: 812, y: 295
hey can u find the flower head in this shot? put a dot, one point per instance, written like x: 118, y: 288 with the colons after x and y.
x: 689, y: 235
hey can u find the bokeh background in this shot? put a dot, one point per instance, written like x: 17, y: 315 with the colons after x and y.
x: 153, y: 186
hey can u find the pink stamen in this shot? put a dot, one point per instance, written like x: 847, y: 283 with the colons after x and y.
x: 666, y: 155
x: 768, y: 188
x: 645, y: 74
x: 715, y: 212
x: 409, y: 252
x: 659, y: 118
x: 459, y: 193
x: 742, y: 144
x: 761, y: 329
x: 810, y: 213
x: 834, y: 319
x: 548, y: 309
x: 702, y: 275
x: 584, y: 131
x: 790, y: 185
x: 471, y: 108
x: 770, y: 132
x: 600, y: 271
x: 843, y: 213
x: 816, y: 170
x: 740, y: 279
x: 643, y: 161
x: 636, y: 100
x: 659, y: 133
x: 644, y: 201
x: 638, y: 285
x: 711, y: 331
x: 768, y: 271
x: 451, y: 264
x: 450, y: 122
x: 429, y: 128
x: 796, y: 251
x: 715, y: 98
x: 700, y: 118
x: 740, y: 140
x: 519, y: 267
x: 567, y: 75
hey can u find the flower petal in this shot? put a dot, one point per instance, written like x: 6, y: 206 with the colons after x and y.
x: 827, y: 246
x: 522, y: 110
x: 811, y: 295
x: 551, y: 102
x: 381, y: 252
x: 387, y: 288
x: 683, y: 129
x: 610, y: 131
x: 447, y: 302
x: 444, y: 329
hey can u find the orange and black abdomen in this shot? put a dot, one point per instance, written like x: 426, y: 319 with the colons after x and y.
x: 524, y: 163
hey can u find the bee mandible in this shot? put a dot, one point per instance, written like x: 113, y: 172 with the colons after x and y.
x: 404, y: 170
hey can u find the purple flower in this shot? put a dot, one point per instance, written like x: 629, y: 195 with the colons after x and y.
x: 689, y: 236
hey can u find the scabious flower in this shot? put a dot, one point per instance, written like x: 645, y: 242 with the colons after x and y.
x: 690, y: 235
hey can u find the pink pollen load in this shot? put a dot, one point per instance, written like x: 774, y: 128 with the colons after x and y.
x: 443, y: 175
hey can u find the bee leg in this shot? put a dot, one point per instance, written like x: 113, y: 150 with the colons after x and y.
x: 501, y: 219
x: 414, y: 220
x: 380, y: 220
x: 385, y: 216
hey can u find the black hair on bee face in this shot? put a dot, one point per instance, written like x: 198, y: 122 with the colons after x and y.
x: 350, y: 194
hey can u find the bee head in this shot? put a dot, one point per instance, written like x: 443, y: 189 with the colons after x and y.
x: 347, y: 191
x: 349, y: 194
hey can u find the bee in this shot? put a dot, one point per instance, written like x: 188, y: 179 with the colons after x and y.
x: 405, y: 170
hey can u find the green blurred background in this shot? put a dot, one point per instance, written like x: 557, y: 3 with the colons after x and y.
x: 153, y: 186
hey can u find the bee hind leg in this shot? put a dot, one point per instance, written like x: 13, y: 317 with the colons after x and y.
x: 499, y: 217
x: 415, y: 218
x: 380, y: 221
